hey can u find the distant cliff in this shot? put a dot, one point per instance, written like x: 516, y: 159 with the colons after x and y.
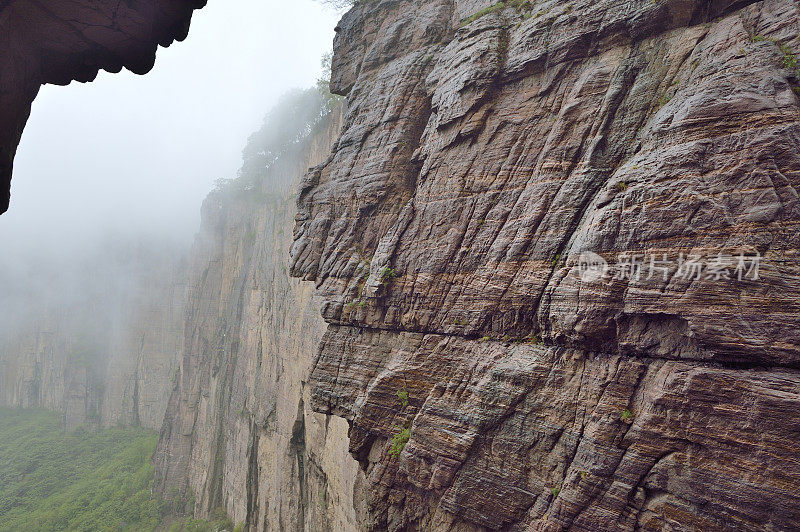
x: 239, y: 431
x: 557, y: 244
x: 98, y: 341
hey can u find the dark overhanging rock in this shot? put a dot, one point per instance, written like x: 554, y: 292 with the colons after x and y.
x: 58, y: 41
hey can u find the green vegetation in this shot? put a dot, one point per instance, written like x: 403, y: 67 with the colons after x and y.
x: 400, y: 439
x: 298, y: 115
x: 219, y: 522
x: 84, y: 481
x: 663, y: 100
x: 356, y: 304
x: 483, y: 12
x: 534, y: 339
x: 388, y: 275
x: 555, y: 491
x: 399, y: 442
x: 789, y: 59
x: 402, y: 395
x: 524, y: 7
x: 626, y: 415
x: 50, y: 480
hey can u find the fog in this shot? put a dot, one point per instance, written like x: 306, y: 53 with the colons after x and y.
x: 126, y: 161
x: 132, y: 154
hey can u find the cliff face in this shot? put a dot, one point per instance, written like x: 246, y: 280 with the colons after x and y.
x: 557, y: 244
x: 58, y: 41
x: 239, y: 432
x: 102, y: 349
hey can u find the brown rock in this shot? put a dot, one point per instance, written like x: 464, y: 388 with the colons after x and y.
x: 239, y: 432
x: 479, y: 160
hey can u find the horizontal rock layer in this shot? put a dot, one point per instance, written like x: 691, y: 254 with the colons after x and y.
x: 486, y: 150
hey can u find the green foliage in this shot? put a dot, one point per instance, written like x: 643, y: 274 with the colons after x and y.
x: 85, y: 351
x: 324, y: 82
x: 340, y: 5
x: 360, y: 303
x: 219, y: 522
x: 626, y: 415
x: 297, y: 116
x: 80, y: 481
x: 388, y: 275
x: 84, y: 481
x: 663, y: 100
x: 523, y: 7
x: 399, y: 442
x: 789, y: 59
x: 483, y: 13
x: 402, y: 395
x: 555, y: 491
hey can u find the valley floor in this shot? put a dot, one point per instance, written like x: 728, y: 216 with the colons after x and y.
x: 51, y: 480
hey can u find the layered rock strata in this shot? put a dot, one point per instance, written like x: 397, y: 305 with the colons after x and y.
x: 491, y: 154
x: 58, y: 41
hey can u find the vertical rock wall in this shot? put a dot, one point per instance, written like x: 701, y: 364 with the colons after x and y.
x: 488, y: 382
x: 239, y: 431
x: 102, y: 348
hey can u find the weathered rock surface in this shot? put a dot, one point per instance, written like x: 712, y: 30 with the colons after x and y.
x: 58, y: 41
x: 239, y: 432
x: 481, y: 156
x: 102, y: 349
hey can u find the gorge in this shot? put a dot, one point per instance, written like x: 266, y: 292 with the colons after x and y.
x: 405, y: 336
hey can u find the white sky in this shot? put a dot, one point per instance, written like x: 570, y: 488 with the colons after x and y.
x: 137, y: 154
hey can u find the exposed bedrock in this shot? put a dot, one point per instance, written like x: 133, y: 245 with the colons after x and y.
x: 485, y: 149
x: 58, y: 41
x: 239, y: 432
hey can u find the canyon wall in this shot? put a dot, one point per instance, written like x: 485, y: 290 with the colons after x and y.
x: 59, y: 41
x: 239, y: 432
x: 557, y: 247
x: 98, y: 341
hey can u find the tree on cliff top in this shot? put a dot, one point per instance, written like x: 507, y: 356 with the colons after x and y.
x: 338, y: 4
x: 297, y: 115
